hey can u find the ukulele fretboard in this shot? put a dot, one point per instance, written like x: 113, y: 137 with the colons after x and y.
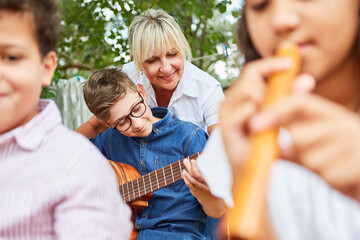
x: 153, y: 181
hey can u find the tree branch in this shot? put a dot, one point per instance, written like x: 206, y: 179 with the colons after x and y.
x: 74, y: 65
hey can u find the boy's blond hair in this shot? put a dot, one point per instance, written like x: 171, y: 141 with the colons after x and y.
x: 151, y: 32
x: 104, y: 88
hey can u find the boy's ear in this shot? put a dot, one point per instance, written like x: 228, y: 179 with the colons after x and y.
x: 50, y: 63
x: 141, y: 90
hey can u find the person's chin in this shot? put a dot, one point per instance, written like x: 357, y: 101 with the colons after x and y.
x: 172, y: 85
x: 144, y: 132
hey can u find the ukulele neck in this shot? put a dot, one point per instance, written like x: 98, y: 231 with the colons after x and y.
x: 153, y: 181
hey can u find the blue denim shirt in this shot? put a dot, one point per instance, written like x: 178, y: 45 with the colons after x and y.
x: 173, y: 212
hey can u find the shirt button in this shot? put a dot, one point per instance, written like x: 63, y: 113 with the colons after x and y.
x: 142, y: 162
x: 144, y: 216
x: 156, y: 130
x: 137, y: 226
x: 143, y: 143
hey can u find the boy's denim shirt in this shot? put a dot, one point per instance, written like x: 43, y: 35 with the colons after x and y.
x: 173, y: 212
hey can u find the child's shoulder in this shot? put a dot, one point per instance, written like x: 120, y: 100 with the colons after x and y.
x: 54, y: 138
x: 70, y: 150
x: 187, y: 125
x: 175, y: 128
x: 73, y: 142
x: 188, y: 128
x: 167, y: 119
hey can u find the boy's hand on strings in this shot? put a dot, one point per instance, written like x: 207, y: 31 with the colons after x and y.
x: 193, y: 178
x: 325, y: 138
x: 213, y: 206
x: 243, y: 100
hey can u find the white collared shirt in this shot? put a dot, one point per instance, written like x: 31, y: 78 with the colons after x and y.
x: 197, y: 97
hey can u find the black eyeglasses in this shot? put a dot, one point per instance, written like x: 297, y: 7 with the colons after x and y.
x: 124, y: 123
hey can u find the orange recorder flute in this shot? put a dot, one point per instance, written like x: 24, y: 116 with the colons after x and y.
x: 250, y: 184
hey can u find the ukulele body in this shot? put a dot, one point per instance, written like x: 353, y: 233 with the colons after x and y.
x: 125, y: 173
x: 136, y: 190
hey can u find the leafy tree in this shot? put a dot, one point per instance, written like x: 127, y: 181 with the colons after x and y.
x: 91, y: 35
x: 94, y: 32
x: 195, y: 19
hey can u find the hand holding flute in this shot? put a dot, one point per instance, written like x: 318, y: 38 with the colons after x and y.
x: 250, y: 182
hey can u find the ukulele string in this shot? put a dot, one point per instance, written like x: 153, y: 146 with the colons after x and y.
x: 167, y: 170
x: 131, y: 195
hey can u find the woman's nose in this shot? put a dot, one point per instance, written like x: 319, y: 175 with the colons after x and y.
x: 165, y: 66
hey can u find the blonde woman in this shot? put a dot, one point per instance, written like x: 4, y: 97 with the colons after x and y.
x: 161, y: 64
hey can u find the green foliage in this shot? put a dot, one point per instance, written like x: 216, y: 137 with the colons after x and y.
x: 197, y: 19
x: 94, y: 32
x: 91, y: 34
x: 47, y: 93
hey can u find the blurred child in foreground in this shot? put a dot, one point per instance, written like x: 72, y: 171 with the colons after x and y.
x: 54, y: 184
x: 315, y: 194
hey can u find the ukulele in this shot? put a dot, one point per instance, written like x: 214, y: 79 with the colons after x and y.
x: 136, y: 190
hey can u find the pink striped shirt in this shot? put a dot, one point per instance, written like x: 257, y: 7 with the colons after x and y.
x: 54, y: 184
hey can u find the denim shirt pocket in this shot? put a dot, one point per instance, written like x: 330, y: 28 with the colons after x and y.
x: 163, y: 161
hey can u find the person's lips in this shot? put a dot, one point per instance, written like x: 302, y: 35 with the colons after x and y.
x: 168, y: 77
x: 304, y: 47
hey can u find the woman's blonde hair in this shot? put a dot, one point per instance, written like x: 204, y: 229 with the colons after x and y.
x: 151, y: 32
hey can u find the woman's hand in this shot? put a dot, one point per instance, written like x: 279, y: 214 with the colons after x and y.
x: 325, y: 138
x: 213, y: 206
x: 91, y: 128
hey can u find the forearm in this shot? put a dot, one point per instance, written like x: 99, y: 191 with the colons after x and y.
x: 91, y: 128
x: 213, y: 206
x: 211, y: 128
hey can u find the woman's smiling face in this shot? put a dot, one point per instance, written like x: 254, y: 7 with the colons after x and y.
x: 165, y: 70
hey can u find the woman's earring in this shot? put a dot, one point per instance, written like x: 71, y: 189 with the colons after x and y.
x: 141, y: 73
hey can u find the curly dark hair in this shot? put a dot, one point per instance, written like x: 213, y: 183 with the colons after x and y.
x: 45, y: 20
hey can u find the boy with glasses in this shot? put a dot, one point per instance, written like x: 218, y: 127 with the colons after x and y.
x: 149, y: 139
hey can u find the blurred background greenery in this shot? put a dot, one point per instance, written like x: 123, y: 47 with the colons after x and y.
x: 94, y: 35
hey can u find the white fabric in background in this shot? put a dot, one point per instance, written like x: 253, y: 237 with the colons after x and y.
x: 215, y: 168
x: 70, y: 100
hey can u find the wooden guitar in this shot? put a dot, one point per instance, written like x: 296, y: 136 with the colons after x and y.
x: 136, y: 190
